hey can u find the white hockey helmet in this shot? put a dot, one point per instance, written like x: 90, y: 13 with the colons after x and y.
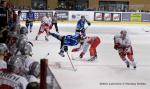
x: 26, y: 48
x: 21, y: 41
x: 34, y: 69
x: 15, y: 64
x: 23, y: 30
x: 123, y: 33
x: 3, y: 48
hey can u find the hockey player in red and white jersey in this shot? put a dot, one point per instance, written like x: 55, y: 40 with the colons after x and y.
x: 93, y: 42
x: 46, y: 25
x: 122, y: 43
x: 10, y: 79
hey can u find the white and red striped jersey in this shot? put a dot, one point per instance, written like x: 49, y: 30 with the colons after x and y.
x: 12, y: 81
x: 87, y: 42
x: 121, y: 43
x: 46, y: 20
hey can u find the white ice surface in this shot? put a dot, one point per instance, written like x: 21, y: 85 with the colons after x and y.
x: 108, y: 68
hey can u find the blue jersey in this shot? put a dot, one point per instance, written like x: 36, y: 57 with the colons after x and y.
x: 80, y: 24
x: 30, y: 16
x: 71, y: 40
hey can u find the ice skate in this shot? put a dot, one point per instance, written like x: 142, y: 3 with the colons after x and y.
x: 57, y: 32
x: 61, y: 53
x: 93, y: 58
x: 46, y: 38
x: 128, y: 64
x: 134, y: 65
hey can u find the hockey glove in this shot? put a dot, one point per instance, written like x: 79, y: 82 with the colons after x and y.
x: 82, y: 54
x: 117, y: 46
x: 66, y: 48
x: 89, y: 23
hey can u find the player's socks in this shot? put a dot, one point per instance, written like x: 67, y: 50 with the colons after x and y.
x: 127, y: 63
x: 134, y: 64
x: 46, y: 38
x: 36, y: 37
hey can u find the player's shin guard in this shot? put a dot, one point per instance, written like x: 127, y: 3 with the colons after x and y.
x: 31, y: 25
x: 27, y: 25
x: 132, y: 61
x: 36, y: 38
x: 55, y: 35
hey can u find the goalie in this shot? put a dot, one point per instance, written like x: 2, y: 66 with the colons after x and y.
x: 122, y: 44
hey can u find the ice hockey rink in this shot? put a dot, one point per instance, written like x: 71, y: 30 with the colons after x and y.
x: 108, y: 71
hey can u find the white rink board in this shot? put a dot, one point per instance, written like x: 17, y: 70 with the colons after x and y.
x: 76, y: 15
x: 108, y: 68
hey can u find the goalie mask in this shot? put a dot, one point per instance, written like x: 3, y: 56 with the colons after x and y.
x: 15, y: 64
x: 34, y: 69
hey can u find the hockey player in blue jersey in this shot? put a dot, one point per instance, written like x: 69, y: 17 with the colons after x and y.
x: 29, y: 19
x: 68, y: 40
x: 80, y: 26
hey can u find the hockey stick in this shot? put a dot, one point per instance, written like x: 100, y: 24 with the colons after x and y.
x: 84, y: 28
x: 71, y: 62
